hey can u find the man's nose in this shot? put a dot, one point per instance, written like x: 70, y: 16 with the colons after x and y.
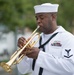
x: 38, y: 21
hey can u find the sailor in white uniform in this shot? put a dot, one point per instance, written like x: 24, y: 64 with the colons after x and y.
x: 54, y: 53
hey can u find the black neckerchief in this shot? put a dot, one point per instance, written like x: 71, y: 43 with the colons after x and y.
x: 42, y: 46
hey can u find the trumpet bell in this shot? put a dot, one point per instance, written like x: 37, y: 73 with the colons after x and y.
x: 13, y: 60
x: 5, y: 66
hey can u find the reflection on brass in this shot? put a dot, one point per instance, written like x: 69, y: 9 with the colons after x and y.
x: 5, y: 66
x: 17, y: 56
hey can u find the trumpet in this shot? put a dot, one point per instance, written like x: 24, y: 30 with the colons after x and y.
x: 16, y: 57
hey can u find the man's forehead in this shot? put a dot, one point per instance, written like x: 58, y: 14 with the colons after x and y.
x: 41, y: 14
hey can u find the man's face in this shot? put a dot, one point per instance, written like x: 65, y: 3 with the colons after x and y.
x: 44, y: 20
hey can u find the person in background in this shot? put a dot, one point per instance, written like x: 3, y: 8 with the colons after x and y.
x: 54, y: 53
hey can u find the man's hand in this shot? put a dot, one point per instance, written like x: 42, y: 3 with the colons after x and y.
x: 21, y: 42
x: 34, y: 51
x: 30, y: 52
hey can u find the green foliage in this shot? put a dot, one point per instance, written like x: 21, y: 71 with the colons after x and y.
x: 19, y: 13
x: 11, y: 13
x: 66, y: 16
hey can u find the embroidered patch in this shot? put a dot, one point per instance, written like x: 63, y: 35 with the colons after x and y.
x: 68, y: 55
x: 56, y: 43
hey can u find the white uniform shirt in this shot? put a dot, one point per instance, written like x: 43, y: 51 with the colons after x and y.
x: 58, y: 58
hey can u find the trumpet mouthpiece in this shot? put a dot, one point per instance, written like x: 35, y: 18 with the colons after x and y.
x: 38, y: 26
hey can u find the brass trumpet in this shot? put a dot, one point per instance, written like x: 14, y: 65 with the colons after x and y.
x: 15, y: 58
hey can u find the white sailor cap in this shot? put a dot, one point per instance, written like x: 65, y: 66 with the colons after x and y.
x: 46, y: 7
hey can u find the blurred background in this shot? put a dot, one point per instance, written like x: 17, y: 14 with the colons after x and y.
x: 17, y: 19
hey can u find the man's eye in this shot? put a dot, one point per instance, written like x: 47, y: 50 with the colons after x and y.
x: 41, y: 17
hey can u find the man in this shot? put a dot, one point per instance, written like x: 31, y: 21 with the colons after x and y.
x: 54, y: 54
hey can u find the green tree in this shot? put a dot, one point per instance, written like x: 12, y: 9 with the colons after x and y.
x: 20, y: 13
x: 66, y: 16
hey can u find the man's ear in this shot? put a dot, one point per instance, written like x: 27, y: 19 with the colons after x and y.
x: 53, y: 16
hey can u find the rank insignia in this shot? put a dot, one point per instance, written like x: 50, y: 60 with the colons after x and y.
x: 68, y: 55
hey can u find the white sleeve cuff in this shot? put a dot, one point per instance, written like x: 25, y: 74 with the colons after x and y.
x: 24, y: 66
x: 40, y: 58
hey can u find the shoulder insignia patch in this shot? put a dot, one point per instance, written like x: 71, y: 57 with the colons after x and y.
x: 68, y: 55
